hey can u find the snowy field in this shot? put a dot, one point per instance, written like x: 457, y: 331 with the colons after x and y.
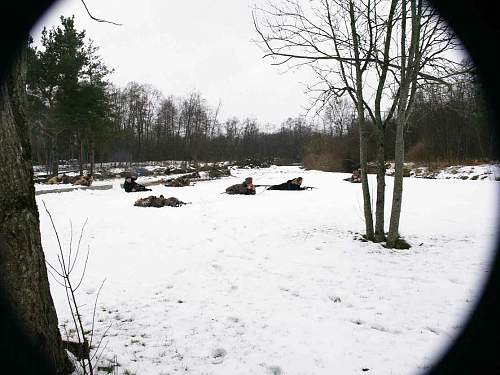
x: 275, y: 283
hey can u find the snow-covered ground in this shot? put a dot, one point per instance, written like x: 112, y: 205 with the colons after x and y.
x: 275, y: 283
x: 473, y: 172
x: 489, y: 171
x: 47, y: 187
x: 114, y: 182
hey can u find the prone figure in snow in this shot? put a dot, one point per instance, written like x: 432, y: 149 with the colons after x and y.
x: 131, y: 186
x: 161, y: 201
x: 355, y: 177
x: 245, y: 188
x: 85, y: 180
x: 178, y: 182
x: 293, y: 184
x: 64, y: 179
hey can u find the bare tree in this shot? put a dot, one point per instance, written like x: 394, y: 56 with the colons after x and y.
x: 338, y: 115
x: 422, y: 45
x: 359, y: 49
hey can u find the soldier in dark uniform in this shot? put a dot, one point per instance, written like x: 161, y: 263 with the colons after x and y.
x: 131, y: 186
x: 293, y: 184
x: 246, y: 188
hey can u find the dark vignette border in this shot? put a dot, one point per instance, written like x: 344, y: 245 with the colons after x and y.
x: 477, y: 349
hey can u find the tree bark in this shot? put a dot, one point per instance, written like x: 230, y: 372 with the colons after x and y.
x: 23, y: 273
x: 380, y: 204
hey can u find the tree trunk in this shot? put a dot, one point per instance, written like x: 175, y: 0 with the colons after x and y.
x: 363, y: 161
x: 92, y: 156
x: 380, y: 131
x: 380, y: 204
x: 397, y: 194
x: 54, y: 154
x: 80, y: 156
x: 410, y: 65
x: 23, y: 274
x: 363, y: 131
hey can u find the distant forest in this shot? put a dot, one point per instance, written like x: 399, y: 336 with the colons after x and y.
x: 76, y: 113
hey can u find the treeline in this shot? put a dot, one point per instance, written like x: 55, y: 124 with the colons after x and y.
x: 448, y: 124
x: 149, y: 126
x: 75, y: 113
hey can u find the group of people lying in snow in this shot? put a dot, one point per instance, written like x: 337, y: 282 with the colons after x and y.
x: 248, y: 188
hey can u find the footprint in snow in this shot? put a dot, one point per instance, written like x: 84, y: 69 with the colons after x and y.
x: 294, y: 293
x: 274, y: 370
x: 433, y: 330
x: 218, y: 355
x: 335, y: 299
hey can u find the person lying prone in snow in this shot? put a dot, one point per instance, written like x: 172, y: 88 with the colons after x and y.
x: 355, y: 178
x: 245, y: 188
x: 293, y: 184
x: 131, y: 186
x: 161, y: 201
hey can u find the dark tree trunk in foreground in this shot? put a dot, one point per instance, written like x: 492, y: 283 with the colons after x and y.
x: 23, y: 273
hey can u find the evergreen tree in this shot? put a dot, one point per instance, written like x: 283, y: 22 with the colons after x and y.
x: 67, y: 90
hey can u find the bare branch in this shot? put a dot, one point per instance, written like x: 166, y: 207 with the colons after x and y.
x: 84, y: 269
x: 100, y: 341
x: 79, y: 242
x: 98, y: 19
x: 94, y: 312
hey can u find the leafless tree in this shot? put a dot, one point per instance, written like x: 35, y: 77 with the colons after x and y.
x: 87, y: 354
x: 368, y: 51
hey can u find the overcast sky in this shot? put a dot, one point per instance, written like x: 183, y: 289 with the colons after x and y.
x: 181, y: 46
